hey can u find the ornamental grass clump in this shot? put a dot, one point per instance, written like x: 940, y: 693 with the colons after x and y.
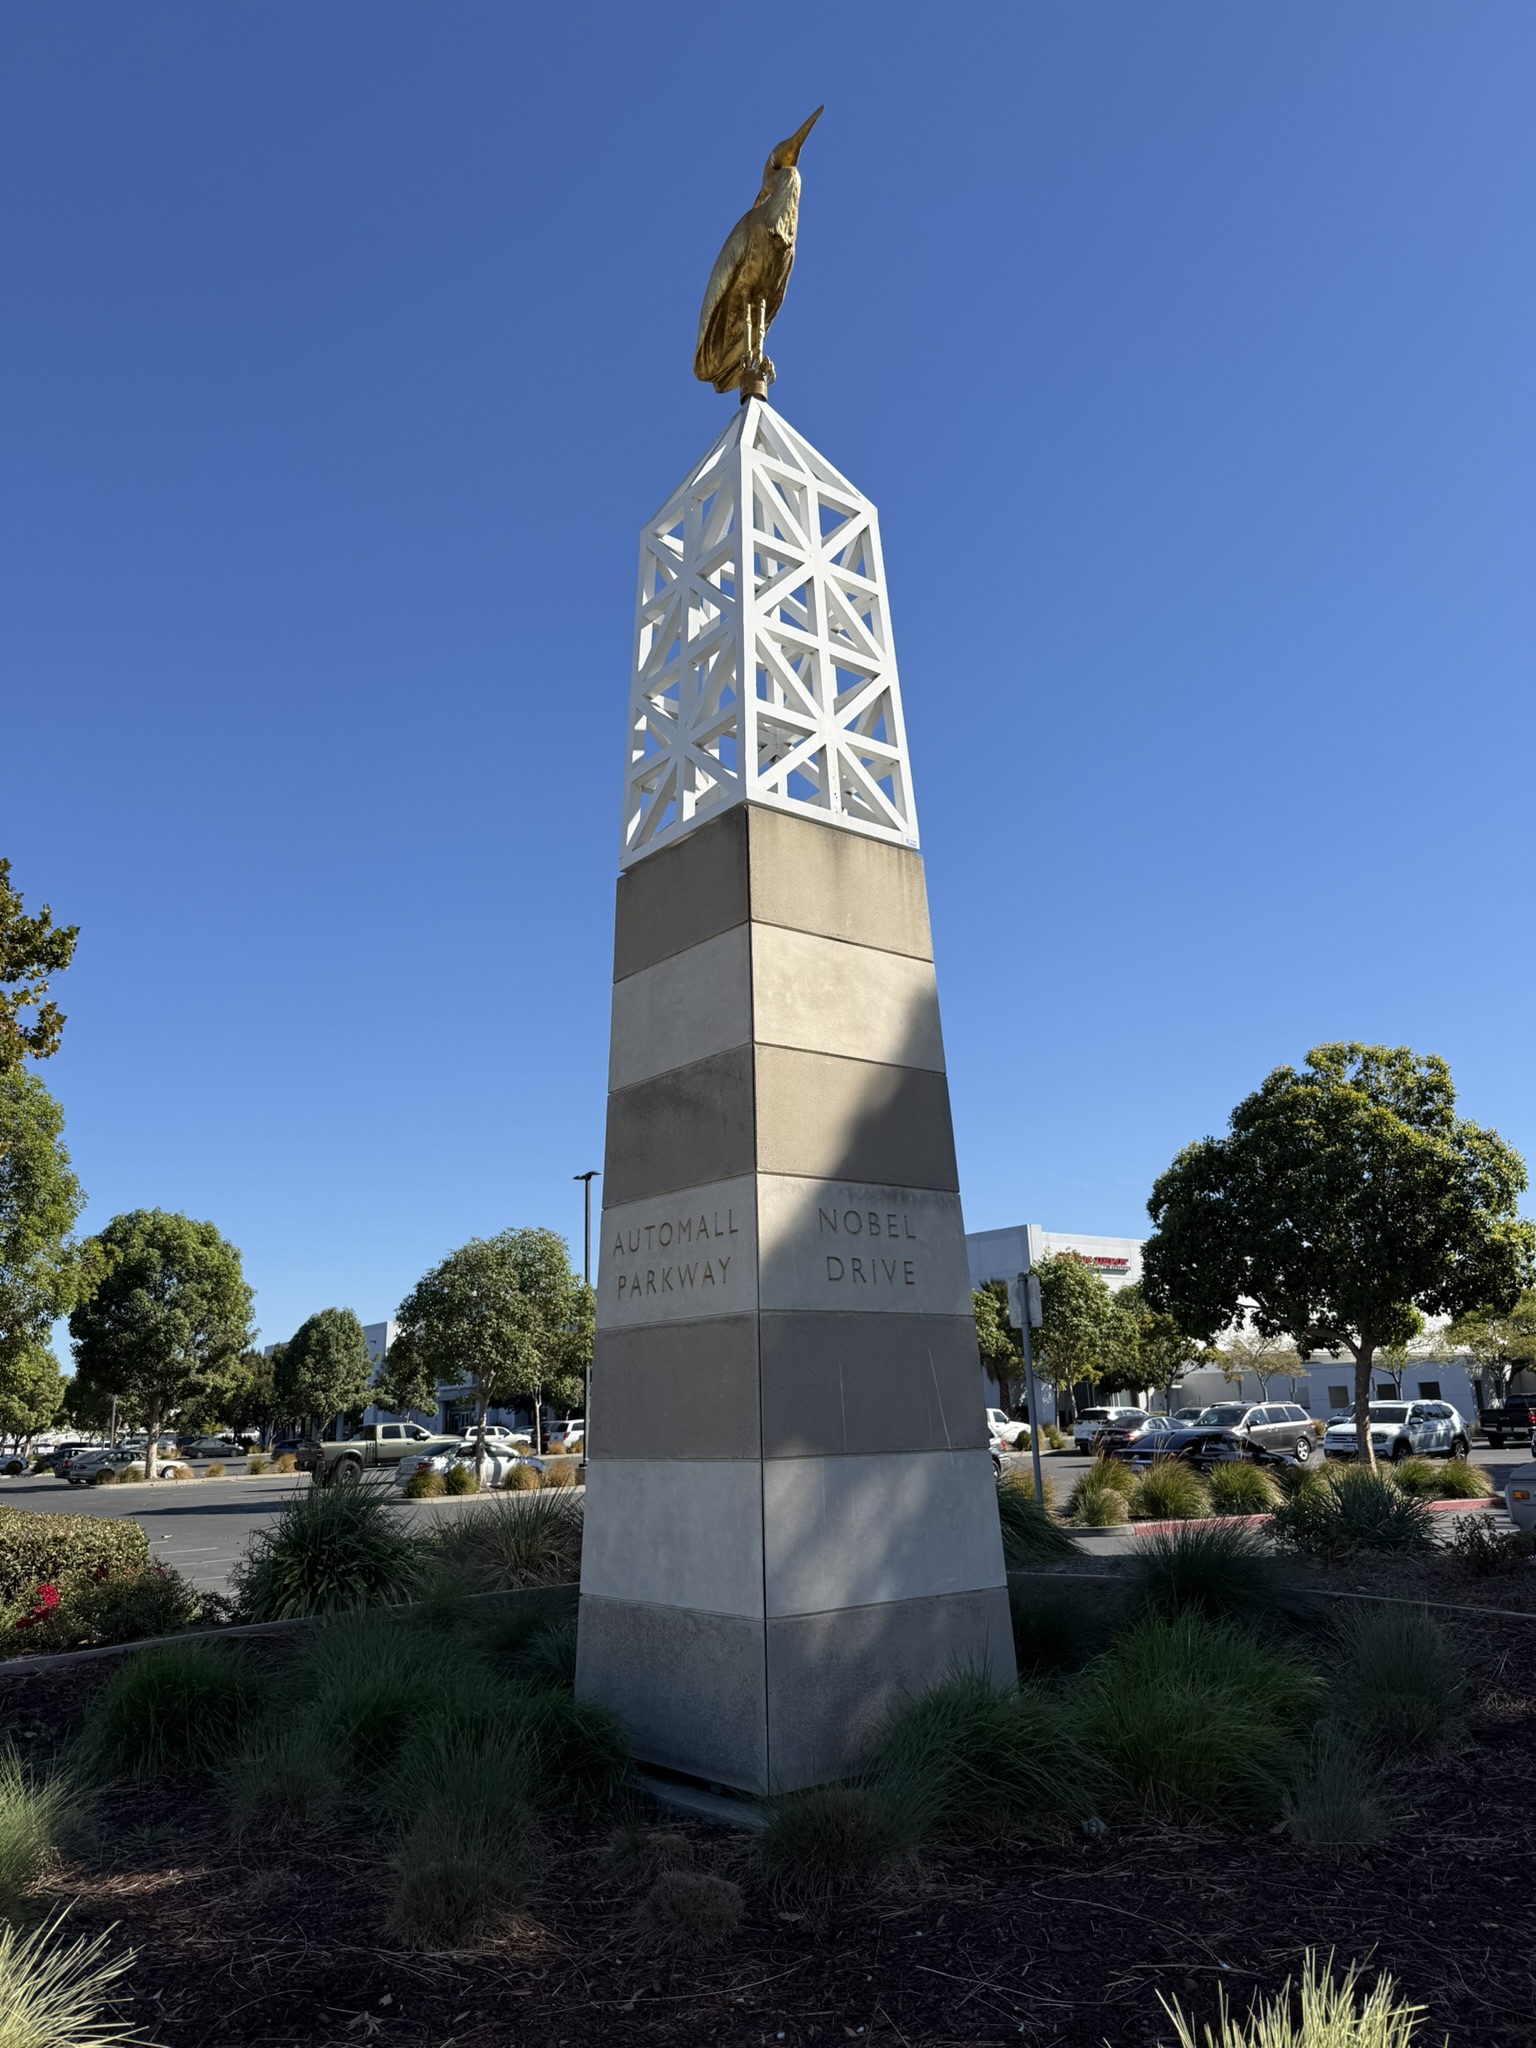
x: 35, y: 1814
x: 1333, y: 1803
x: 822, y: 1844
x: 1358, y: 1510
x: 969, y: 1758
x: 1169, y: 1491
x: 1242, y: 1489
x: 1060, y: 1624
x: 1460, y: 1479
x: 1417, y: 1476
x: 1399, y: 1681
x: 58, y: 1995
x: 1196, y: 1721
x: 1030, y: 1531
x: 370, y: 1684
x: 521, y: 1478
x: 573, y: 1751
x: 425, y: 1484
x: 332, y: 1548
x: 472, y: 1851
x: 689, y: 1912
x: 285, y: 1784
x: 460, y: 1478
x: 1325, y: 2014
x: 498, y: 1545
x: 173, y: 1710
x: 1226, y: 1574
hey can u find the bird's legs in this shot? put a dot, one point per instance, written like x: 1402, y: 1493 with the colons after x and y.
x: 757, y: 371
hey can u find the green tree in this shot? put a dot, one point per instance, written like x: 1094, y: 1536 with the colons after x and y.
x: 31, y: 949
x: 1002, y: 1353
x: 31, y: 1395
x: 250, y: 1397
x: 42, y: 1270
x: 1499, y: 1345
x: 1074, y: 1339
x: 504, y: 1315
x: 1246, y: 1354
x: 1344, y: 1200
x: 1147, y: 1345
x: 168, y: 1319
x: 325, y: 1369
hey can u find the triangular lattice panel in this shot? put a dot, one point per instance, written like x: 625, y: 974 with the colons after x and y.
x: 763, y: 665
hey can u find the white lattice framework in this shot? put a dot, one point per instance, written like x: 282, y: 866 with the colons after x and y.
x: 763, y: 662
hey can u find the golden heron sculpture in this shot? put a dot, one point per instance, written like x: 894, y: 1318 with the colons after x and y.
x: 746, y: 287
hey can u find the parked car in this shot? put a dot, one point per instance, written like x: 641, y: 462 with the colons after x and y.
x: 564, y: 1436
x: 1520, y: 1496
x: 499, y: 1461
x: 210, y: 1447
x: 1228, y: 1429
x: 61, y: 1454
x: 1013, y: 1436
x: 1185, y: 1415
x: 89, y: 1467
x: 1145, y: 1433
x: 1402, y: 1429
x: 377, y: 1443
x: 1512, y: 1419
x: 1091, y: 1421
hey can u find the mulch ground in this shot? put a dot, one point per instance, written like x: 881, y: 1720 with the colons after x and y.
x: 1059, y: 1947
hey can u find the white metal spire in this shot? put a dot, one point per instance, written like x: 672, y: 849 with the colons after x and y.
x: 763, y: 665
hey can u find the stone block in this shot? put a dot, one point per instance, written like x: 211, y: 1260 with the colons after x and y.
x: 682, y: 1010
x: 688, y: 1687
x: 688, y: 1534
x: 840, y: 1119
x: 852, y: 1383
x: 852, y: 1245
x: 820, y: 878
x: 677, y: 1256
x: 681, y: 1129
x: 833, y: 1678
x: 825, y: 995
x: 682, y: 1390
x: 682, y: 894
x: 853, y: 1532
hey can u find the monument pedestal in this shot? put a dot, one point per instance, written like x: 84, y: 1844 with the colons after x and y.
x: 791, y: 1518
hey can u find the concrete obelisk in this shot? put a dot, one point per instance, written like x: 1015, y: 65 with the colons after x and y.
x: 790, y: 1515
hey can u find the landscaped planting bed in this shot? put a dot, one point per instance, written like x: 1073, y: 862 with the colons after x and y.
x: 1211, y: 1770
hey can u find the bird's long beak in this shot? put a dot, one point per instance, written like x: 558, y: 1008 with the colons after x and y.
x: 788, y: 153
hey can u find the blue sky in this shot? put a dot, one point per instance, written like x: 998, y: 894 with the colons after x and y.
x: 1185, y: 349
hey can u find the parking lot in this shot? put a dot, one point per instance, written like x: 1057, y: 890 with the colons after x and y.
x: 199, y: 1526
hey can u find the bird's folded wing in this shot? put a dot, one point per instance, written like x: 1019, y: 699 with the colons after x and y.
x: 721, y: 343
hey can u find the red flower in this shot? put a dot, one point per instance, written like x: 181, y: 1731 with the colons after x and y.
x: 47, y: 1598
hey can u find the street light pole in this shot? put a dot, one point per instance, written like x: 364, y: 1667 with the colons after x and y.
x: 586, y: 1273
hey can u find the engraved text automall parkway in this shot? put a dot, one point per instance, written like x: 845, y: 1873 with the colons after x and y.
x: 680, y: 1235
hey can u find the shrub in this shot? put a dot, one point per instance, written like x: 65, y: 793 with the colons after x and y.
x: 129, y: 1608
x: 425, y: 1484
x: 571, y: 1750
x: 501, y: 1544
x: 471, y: 1853
x: 217, y: 1469
x: 1358, y: 1510
x: 1169, y: 1491
x: 1483, y: 1551
x: 1298, y: 1482
x: 1226, y: 1574
x: 54, y: 1549
x: 172, y: 1710
x: 1329, y: 2016
x: 332, y: 1548
x: 285, y: 1784
x: 1418, y: 1476
x: 637, y: 1855
x: 1098, y: 1506
x: 1399, y: 1680
x: 460, y: 1479
x: 520, y: 1478
x: 1113, y: 1472
x: 371, y: 1683
x: 33, y: 1816
x: 53, y: 1996
x: 820, y: 1844
x: 1056, y: 1438
x: 689, y: 1910
x: 549, y: 1656
x: 1242, y: 1489
x: 1021, y: 1478
x: 174, y: 1470
x: 560, y: 1475
x: 1030, y: 1531
x: 1197, y: 1721
x: 107, y: 1477
x: 257, y: 1465
x: 1060, y: 1624
x: 1460, y: 1479
x: 1332, y: 1803
x: 285, y: 1461
x: 967, y: 1758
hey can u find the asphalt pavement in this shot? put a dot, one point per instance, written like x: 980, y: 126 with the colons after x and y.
x: 201, y: 1526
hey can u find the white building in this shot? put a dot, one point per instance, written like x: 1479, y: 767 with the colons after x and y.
x: 1324, y: 1386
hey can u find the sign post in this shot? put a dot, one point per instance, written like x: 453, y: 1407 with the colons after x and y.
x: 1024, y: 1304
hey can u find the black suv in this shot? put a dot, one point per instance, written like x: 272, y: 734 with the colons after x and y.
x: 1270, y: 1429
